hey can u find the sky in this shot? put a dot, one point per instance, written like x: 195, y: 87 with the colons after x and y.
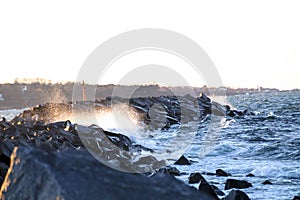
x: 251, y: 43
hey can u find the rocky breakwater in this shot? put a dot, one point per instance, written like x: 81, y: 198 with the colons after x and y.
x: 49, y: 161
x: 40, y: 159
x: 174, y: 109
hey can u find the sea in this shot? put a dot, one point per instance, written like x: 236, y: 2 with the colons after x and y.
x: 266, y: 145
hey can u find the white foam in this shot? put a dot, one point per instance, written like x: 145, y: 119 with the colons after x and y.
x: 11, y: 113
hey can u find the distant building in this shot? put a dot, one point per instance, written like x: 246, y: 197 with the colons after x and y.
x: 1, y: 97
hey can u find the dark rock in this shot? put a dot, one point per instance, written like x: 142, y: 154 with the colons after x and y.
x: 209, y: 173
x: 173, y: 170
x: 250, y: 175
x: 3, y: 169
x: 6, y: 148
x: 239, y: 184
x: 195, y: 178
x: 197, y: 109
x: 238, y: 113
x: 218, y: 191
x: 4, y: 124
x: 169, y: 170
x: 237, y: 195
x: 267, y: 182
x: 296, y: 198
x: 208, y: 189
x: 218, y: 109
x: 220, y: 172
x: 204, y: 98
x: 230, y: 113
x: 121, y: 141
x: 182, y: 161
x: 76, y: 174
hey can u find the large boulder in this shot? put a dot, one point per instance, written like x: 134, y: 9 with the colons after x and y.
x: 182, y: 161
x: 237, y: 195
x: 220, y: 172
x: 208, y: 189
x: 35, y: 173
x: 239, y: 184
x: 195, y: 178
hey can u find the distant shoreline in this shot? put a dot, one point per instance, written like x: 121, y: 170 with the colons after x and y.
x: 20, y: 95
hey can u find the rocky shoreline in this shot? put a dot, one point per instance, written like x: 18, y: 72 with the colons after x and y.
x: 40, y: 159
x: 50, y: 162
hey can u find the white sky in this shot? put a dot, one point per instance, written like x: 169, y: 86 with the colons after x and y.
x: 253, y: 43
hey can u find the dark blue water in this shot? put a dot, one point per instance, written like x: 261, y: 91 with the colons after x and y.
x: 266, y: 145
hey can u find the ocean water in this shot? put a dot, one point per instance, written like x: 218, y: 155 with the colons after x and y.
x: 266, y: 144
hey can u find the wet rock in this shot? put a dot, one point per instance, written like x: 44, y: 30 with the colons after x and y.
x: 267, y: 182
x: 3, y: 170
x: 239, y: 184
x: 209, y: 173
x: 197, y: 109
x: 121, y: 141
x: 195, y: 178
x: 203, y: 99
x: 6, y: 148
x: 63, y: 135
x: 220, y: 172
x: 296, y: 198
x: 4, y: 124
x: 208, y: 189
x: 218, y: 191
x: 238, y: 113
x: 76, y: 174
x: 237, y: 195
x: 182, y: 161
x: 169, y: 170
x: 218, y: 109
x: 250, y: 175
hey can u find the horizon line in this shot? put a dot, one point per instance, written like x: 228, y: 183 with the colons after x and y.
x: 51, y: 82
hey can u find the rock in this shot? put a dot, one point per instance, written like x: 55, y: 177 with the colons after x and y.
x: 169, y: 170
x: 4, y: 124
x: 3, y: 170
x: 230, y: 113
x: 75, y: 174
x: 204, y: 98
x: 237, y: 195
x: 218, y: 109
x: 238, y: 113
x: 172, y: 105
x: 182, y: 161
x: 267, y: 182
x: 6, y: 148
x: 195, y: 178
x: 250, y: 175
x: 60, y: 136
x: 296, y: 198
x: 208, y: 189
x: 220, y: 172
x: 218, y: 191
x: 209, y: 173
x: 239, y: 184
